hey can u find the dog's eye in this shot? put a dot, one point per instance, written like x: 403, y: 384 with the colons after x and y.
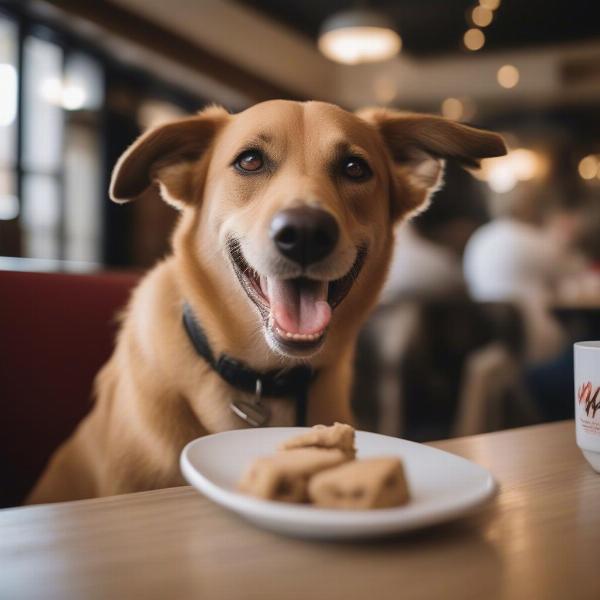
x: 250, y: 161
x: 356, y: 168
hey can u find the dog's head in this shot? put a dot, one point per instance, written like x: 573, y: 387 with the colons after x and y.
x: 299, y: 200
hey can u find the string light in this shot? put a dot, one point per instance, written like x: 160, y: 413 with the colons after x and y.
x: 490, y: 4
x: 508, y: 76
x: 452, y: 108
x: 458, y: 109
x: 474, y: 39
x: 481, y: 16
x: 589, y: 167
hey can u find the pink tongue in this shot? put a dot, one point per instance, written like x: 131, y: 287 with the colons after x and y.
x: 299, y: 306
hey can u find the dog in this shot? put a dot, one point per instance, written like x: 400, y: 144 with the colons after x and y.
x: 287, y: 212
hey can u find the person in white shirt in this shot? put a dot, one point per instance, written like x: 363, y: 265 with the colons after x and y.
x: 523, y: 261
x: 427, y: 260
x: 421, y: 268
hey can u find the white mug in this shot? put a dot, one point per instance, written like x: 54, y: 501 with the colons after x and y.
x: 587, y: 400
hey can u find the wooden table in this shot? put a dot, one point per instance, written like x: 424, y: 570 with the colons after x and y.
x: 540, y: 539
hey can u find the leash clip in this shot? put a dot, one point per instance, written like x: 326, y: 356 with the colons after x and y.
x: 254, y: 413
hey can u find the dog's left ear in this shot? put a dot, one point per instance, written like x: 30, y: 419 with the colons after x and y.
x: 167, y: 155
x: 418, y: 145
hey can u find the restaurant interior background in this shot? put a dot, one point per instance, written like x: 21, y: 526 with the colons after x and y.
x: 489, y: 287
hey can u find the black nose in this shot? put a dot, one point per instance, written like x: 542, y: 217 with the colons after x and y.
x: 304, y: 235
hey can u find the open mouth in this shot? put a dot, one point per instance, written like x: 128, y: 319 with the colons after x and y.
x: 296, y: 311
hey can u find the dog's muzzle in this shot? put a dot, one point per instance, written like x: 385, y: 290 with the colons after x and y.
x: 296, y: 311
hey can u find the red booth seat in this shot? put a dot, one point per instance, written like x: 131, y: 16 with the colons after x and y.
x: 56, y: 331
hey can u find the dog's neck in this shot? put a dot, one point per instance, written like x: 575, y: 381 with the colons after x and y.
x: 290, y: 383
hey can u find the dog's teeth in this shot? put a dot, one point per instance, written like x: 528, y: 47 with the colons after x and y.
x: 305, y: 337
x: 299, y: 337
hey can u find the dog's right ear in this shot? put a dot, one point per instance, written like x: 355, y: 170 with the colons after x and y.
x: 167, y: 155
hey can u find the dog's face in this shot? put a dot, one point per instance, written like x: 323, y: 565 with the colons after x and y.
x: 299, y: 200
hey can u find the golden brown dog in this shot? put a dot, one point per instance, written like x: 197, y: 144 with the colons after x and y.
x: 285, y: 234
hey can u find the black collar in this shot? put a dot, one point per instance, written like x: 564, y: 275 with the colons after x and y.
x: 280, y: 383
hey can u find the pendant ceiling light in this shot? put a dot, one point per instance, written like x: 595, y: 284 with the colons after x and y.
x: 359, y: 36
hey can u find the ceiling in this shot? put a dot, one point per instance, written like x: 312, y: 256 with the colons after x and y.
x: 431, y: 27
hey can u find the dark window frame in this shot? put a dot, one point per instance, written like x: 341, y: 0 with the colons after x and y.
x: 28, y: 23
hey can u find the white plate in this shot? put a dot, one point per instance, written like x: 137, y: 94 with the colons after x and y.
x: 443, y: 486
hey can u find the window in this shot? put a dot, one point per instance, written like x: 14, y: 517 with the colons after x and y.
x: 50, y: 185
x: 9, y: 83
x: 68, y: 109
x: 43, y: 126
x: 83, y: 164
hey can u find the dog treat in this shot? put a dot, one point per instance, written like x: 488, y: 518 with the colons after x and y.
x: 339, y: 436
x: 285, y: 475
x: 319, y: 466
x: 361, y: 484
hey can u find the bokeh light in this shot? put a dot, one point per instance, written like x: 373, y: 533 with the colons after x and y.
x: 508, y: 76
x: 589, y: 167
x: 503, y: 173
x: 481, y: 16
x: 452, y: 108
x: 490, y: 4
x: 474, y: 39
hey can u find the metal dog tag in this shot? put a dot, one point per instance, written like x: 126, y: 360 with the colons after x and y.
x: 254, y: 413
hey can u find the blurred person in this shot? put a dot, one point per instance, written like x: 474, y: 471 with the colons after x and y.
x: 424, y: 305
x: 427, y: 260
x: 582, y: 288
x: 522, y: 257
